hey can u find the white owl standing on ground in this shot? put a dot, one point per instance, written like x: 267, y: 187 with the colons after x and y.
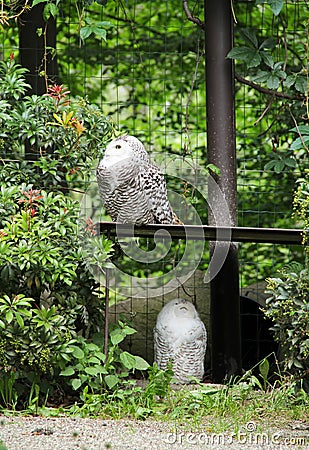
x: 132, y: 189
x: 180, y: 336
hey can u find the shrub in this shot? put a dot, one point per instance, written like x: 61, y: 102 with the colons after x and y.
x: 50, y: 305
x: 53, y: 139
x: 288, y: 308
x: 288, y: 304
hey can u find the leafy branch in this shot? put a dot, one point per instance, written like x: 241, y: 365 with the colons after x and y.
x: 9, y: 12
x: 264, y: 90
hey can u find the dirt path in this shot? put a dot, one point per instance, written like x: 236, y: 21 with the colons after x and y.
x: 65, y: 433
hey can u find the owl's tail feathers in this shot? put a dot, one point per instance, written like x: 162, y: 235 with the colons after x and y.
x: 176, y: 220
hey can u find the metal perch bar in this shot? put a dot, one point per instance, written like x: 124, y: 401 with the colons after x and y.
x: 206, y: 232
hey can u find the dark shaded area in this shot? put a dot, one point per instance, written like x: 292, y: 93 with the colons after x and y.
x: 35, y: 49
x: 256, y: 338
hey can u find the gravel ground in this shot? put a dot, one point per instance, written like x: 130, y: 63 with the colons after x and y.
x: 64, y: 433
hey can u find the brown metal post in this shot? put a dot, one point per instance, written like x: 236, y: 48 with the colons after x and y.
x: 224, y: 287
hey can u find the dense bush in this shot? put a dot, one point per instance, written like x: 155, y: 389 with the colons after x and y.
x: 288, y: 308
x: 288, y: 304
x: 51, y: 310
x: 53, y: 139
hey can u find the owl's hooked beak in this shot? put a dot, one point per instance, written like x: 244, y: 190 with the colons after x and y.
x: 184, y: 308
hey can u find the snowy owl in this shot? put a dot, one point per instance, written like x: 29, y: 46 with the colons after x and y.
x: 132, y: 189
x: 180, y: 336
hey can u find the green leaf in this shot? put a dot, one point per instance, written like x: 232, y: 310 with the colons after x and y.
x: 93, y: 360
x: 213, y: 168
x: 289, y: 81
x: 50, y: 10
x: 69, y: 371
x: 92, y: 371
x: 140, y: 363
x: 261, y: 76
x: 36, y: 2
x: 302, y: 129
x: 9, y: 316
x: 301, y: 84
x: 100, y: 33
x: 117, y: 336
x: 100, y: 355
x: 250, y: 36
x: 19, y: 320
x: 279, y: 166
x: 276, y: 5
x: 273, y: 82
x: 298, y: 364
x: 250, y: 56
x: 290, y: 162
x: 269, y: 43
x: 264, y: 368
x: 300, y: 143
x: 111, y: 380
x: 85, y: 32
x: 268, y: 59
x: 127, y: 360
x: 78, y: 352
x: 128, y: 330
x: 54, y: 10
x: 76, y: 383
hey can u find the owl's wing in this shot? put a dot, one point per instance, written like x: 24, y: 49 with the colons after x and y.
x: 122, y: 194
x: 153, y: 184
x: 162, y: 349
x: 189, y: 355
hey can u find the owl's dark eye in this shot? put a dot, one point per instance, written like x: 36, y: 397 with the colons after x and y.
x: 118, y: 147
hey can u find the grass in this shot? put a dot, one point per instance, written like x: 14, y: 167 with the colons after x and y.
x: 214, y: 408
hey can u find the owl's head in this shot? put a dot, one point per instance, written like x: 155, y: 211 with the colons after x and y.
x: 124, y: 148
x: 180, y: 309
x: 184, y: 308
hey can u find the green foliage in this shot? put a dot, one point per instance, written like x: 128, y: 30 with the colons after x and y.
x: 40, y: 252
x: 32, y: 339
x: 301, y: 211
x: 275, y: 5
x: 159, y: 381
x: 250, y: 393
x: 33, y: 342
x: 260, y: 54
x: 288, y: 307
x: 288, y: 303
x: 48, y: 295
x: 39, y: 348
x: 94, y: 27
x: 45, y: 286
x: 89, y: 367
x: 62, y: 135
x: 12, y: 85
x: 154, y: 59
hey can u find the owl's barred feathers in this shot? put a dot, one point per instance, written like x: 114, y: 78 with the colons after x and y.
x: 180, y: 336
x: 132, y: 189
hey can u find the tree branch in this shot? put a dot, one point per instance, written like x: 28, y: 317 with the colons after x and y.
x: 259, y: 88
x: 192, y: 18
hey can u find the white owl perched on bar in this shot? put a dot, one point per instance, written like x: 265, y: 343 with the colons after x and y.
x: 180, y: 336
x: 132, y: 189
